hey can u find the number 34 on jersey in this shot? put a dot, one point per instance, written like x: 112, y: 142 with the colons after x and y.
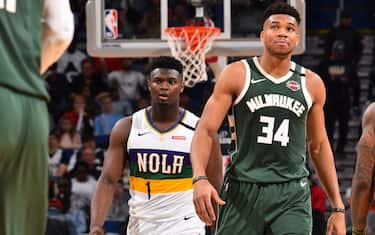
x: 269, y: 135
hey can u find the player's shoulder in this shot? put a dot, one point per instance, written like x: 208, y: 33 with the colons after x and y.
x: 368, y: 118
x: 313, y: 77
x: 190, y: 120
x: 122, y: 124
x: 314, y: 85
x: 232, y: 78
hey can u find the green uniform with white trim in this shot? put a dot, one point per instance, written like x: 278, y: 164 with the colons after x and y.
x: 23, y: 120
x: 265, y: 189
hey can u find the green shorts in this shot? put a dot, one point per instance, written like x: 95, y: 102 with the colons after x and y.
x: 257, y: 209
x: 23, y: 164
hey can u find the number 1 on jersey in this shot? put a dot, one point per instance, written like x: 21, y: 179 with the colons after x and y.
x: 8, y: 5
x: 148, y: 189
x: 281, y: 134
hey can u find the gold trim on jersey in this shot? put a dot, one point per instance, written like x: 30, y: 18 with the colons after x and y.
x: 167, y: 132
x: 160, y: 185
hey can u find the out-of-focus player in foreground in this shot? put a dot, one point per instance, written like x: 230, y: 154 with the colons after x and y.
x: 363, y: 179
x: 156, y: 142
x: 34, y: 34
x: 277, y: 105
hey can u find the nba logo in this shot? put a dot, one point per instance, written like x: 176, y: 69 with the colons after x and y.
x: 110, y: 24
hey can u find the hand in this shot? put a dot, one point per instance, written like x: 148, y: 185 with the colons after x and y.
x: 203, y: 193
x: 97, y: 230
x: 336, y: 223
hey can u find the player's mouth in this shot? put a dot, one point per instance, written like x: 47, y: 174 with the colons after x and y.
x: 163, y: 97
x: 282, y: 43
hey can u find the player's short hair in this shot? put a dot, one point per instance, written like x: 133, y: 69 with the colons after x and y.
x: 167, y: 62
x: 281, y: 8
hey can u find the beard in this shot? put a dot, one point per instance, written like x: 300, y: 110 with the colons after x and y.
x: 280, y: 53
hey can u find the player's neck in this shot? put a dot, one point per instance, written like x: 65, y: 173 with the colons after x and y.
x: 165, y: 113
x: 275, y: 66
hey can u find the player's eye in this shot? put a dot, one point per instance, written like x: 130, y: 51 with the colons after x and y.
x: 274, y: 26
x: 157, y: 81
x: 291, y: 29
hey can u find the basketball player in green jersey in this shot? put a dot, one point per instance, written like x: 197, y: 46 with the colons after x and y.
x: 33, y: 35
x: 151, y: 142
x: 363, y: 179
x: 277, y: 106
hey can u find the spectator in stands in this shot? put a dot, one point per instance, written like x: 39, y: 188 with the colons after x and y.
x: 149, y: 27
x: 178, y: 15
x: 103, y: 66
x: 87, y: 77
x: 88, y: 141
x: 119, y: 209
x: 55, y: 167
x: 104, y: 122
x: 335, y: 72
x: 95, y: 165
x: 81, y: 120
x: 58, y: 88
x: 118, y: 215
x: 345, y: 34
x: 70, y: 62
x: 56, y: 222
x: 69, y: 138
x: 76, y: 218
x: 83, y: 187
x: 129, y: 83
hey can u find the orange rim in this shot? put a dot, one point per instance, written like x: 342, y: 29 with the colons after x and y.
x: 191, y: 40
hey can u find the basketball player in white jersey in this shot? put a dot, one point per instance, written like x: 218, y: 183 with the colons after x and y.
x: 155, y: 142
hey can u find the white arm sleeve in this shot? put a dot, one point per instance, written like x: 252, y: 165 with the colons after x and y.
x: 58, y: 29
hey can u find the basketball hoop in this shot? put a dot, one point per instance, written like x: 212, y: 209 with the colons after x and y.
x: 189, y: 44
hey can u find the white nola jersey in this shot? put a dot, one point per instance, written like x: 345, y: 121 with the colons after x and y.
x: 160, y: 168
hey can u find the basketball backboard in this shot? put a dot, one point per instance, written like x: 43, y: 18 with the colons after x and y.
x: 123, y: 28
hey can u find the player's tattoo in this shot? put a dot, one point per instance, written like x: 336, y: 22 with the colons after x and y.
x: 366, y: 150
x: 365, y: 168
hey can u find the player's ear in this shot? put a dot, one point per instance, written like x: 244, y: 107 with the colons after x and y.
x: 182, y: 87
x: 148, y: 84
x: 262, y: 36
x: 297, y: 41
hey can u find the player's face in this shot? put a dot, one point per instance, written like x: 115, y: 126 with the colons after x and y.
x: 280, y: 34
x: 165, y: 86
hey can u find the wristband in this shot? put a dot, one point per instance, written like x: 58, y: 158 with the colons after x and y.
x: 357, y: 232
x: 335, y: 209
x: 201, y: 177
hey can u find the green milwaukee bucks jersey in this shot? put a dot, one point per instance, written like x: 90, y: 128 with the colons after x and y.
x: 20, y: 46
x: 270, y: 125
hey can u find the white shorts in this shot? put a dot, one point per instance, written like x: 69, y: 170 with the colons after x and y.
x: 189, y: 225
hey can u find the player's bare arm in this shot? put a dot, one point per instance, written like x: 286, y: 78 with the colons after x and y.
x: 362, y: 185
x: 214, y: 168
x: 58, y: 29
x: 321, y: 153
x: 227, y: 88
x: 112, y: 172
x: 215, y: 171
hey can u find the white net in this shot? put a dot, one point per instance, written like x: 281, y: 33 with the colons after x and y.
x: 190, y: 45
